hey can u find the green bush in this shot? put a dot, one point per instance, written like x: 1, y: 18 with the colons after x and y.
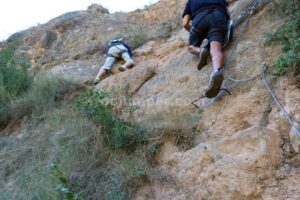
x: 14, y: 79
x: 20, y: 95
x: 287, y: 35
x: 117, y: 133
x: 91, y: 104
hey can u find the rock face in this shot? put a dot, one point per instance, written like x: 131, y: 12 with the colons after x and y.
x: 84, y: 34
x: 288, y: 92
x: 95, y: 8
x: 244, y: 147
x: 231, y: 168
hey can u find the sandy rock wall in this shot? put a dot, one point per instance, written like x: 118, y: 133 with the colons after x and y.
x: 244, y: 148
x: 231, y: 168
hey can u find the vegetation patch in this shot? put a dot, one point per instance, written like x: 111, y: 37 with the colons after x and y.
x: 288, y: 36
x: 75, y: 150
x: 14, y: 79
x: 117, y: 133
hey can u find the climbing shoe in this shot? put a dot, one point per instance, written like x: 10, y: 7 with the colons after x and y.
x: 203, y: 57
x: 215, y: 84
x: 96, y: 81
x: 229, y: 33
x: 122, y: 68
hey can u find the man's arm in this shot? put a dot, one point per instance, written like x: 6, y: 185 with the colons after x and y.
x: 186, y: 22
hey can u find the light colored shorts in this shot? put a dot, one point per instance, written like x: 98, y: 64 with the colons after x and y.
x: 115, y: 54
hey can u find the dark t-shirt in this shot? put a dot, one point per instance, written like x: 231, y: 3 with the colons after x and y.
x: 195, y: 6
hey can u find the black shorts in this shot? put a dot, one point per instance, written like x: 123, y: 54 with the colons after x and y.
x: 211, y: 25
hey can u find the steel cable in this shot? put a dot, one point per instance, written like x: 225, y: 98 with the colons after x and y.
x: 291, y: 121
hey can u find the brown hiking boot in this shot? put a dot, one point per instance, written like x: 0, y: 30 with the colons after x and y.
x: 203, y: 57
x: 215, y: 84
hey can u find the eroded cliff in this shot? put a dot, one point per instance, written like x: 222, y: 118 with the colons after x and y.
x: 242, y: 148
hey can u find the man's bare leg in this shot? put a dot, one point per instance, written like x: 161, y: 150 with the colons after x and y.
x: 216, y: 78
x: 217, y: 55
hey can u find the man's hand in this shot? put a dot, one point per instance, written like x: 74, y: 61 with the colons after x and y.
x: 186, y: 22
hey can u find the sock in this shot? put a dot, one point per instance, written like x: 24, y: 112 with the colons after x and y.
x: 219, y: 69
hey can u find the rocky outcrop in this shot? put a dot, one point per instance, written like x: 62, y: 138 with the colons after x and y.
x: 284, y: 185
x: 47, y: 39
x: 230, y: 168
x: 95, y: 8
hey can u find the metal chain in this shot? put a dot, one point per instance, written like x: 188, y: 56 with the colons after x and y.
x: 291, y: 121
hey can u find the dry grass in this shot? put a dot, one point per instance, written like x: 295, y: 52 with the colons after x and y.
x: 55, y: 133
x: 74, y: 143
x: 61, y: 137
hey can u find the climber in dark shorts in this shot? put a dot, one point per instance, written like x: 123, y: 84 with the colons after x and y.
x: 208, y: 19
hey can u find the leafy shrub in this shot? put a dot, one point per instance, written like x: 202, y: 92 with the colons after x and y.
x: 90, y: 103
x: 287, y: 35
x: 14, y: 79
x: 117, y: 133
